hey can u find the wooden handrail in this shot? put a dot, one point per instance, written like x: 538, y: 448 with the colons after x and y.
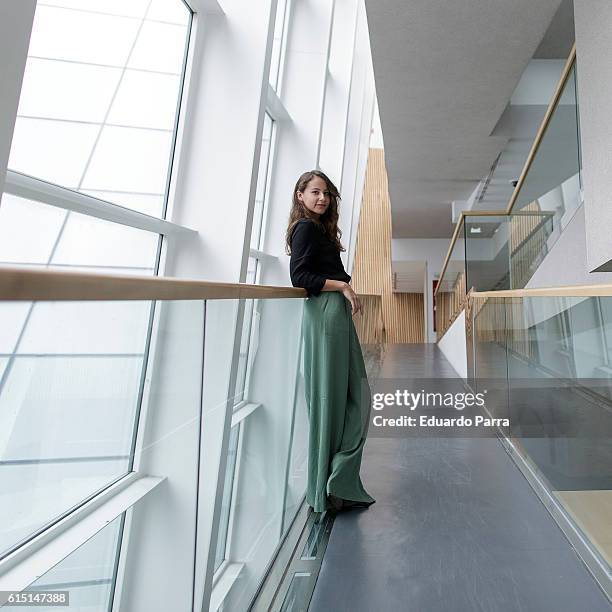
x: 22, y: 284
x: 603, y: 290
x: 569, y: 64
x: 450, y: 250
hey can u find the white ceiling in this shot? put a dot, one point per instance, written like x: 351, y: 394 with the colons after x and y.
x: 445, y: 73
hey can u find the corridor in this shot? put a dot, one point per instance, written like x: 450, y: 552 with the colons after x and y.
x: 456, y: 527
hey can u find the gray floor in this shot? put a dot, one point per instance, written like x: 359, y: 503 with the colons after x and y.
x: 455, y: 527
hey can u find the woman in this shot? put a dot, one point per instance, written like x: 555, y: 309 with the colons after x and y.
x: 337, y: 391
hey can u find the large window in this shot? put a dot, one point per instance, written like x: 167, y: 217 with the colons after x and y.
x: 99, y: 98
x: 251, y: 321
x: 248, y: 346
x: 278, y: 44
x: 263, y: 182
x: 97, y: 117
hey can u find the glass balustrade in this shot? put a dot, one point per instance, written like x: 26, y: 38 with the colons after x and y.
x: 70, y: 395
x: 494, y: 252
x: 504, y: 251
x: 548, y: 358
x: 451, y: 287
x: 553, y: 182
x: 93, y: 394
x: 265, y: 465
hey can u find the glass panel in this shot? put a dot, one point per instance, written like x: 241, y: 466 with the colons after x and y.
x: 35, y: 150
x: 570, y: 397
x: 65, y: 431
x: 268, y: 434
x: 489, y: 338
x: 82, y: 36
x: 135, y: 87
x: 63, y: 90
x: 88, y: 573
x: 553, y: 181
x: 297, y: 469
x: 106, y: 104
x: 503, y: 252
x: 28, y: 230
x: 487, y: 252
x: 531, y: 236
x: 35, y: 233
x: 261, y: 196
x: 555, y: 351
x: 228, y: 483
x: 14, y: 315
x: 488, y: 365
x: 133, y: 8
x: 171, y: 12
x: 160, y: 46
x: 605, y: 307
x: 451, y: 288
x: 250, y: 330
x: 280, y: 27
x: 299, y: 590
x: 161, y: 541
x: 96, y: 242
x: 112, y: 163
x: 85, y: 327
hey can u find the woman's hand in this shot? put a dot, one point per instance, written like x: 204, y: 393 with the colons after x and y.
x: 351, y: 296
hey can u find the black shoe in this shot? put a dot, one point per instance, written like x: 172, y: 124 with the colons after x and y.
x: 348, y: 504
x: 334, y: 504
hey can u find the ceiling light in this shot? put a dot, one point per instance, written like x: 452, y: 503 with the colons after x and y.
x: 475, y: 230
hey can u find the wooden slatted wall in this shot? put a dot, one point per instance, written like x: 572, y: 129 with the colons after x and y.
x: 369, y: 326
x: 402, y: 313
x: 528, y: 235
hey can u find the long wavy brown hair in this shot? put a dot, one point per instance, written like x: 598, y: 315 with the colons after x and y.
x: 328, y: 221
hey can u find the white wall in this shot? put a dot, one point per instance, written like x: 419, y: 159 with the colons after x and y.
x: 376, y: 137
x: 219, y: 155
x: 453, y: 345
x: 358, y: 133
x: 566, y: 263
x: 350, y: 94
x: 431, y: 250
x: 593, y: 19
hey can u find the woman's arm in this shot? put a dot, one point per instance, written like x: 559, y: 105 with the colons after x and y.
x: 301, y: 267
x: 347, y: 292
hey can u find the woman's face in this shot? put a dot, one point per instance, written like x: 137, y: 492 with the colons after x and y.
x: 316, y: 196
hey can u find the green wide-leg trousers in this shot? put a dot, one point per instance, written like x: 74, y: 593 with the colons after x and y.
x: 337, y: 398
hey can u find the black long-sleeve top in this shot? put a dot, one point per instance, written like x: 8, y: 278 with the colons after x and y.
x: 314, y: 258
